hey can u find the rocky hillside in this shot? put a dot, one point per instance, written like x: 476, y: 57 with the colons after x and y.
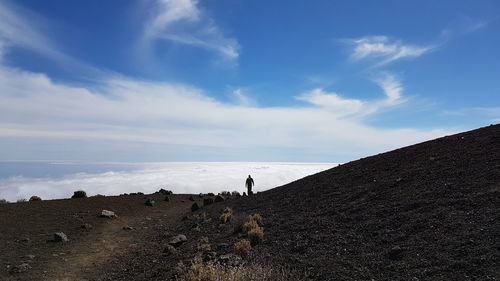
x: 430, y: 211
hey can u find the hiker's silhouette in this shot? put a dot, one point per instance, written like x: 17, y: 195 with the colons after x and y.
x: 249, y: 183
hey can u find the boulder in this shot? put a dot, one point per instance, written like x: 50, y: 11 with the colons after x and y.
x: 35, y: 198
x: 79, y: 194
x: 177, y: 240
x: 127, y: 227
x: 195, y: 207
x: 165, y: 192
x: 149, y: 202
x: 108, y: 214
x: 208, y: 201
x: 211, y: 194
x: 191, y: 198
x: 60, y: 237
x: 218, y: 198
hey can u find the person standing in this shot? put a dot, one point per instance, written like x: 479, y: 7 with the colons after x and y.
x: 249, y: 184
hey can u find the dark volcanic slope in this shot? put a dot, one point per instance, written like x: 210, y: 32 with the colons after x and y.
x: 425, y: 212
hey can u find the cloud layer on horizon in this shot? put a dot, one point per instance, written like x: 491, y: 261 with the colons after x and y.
x: 190, y: 178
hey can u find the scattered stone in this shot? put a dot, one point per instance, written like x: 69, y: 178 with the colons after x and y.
x: 108, y: 214
x: 167, y: 199
x: 178, y: 240
x: 195, y: 207
x: 208, y: 201
x: 21, y: 268
x: 235, y: 194
x: 60, y: 237
x: 165, y: 192
x: 191, y: 198
x: 86, y: 226
x: 35, y: 198
x: 218, y: 198
x: 140, y: 193
x: 211, y: 194
x: 79, y: 194
x: 201, y: 195
x: 150, y: 202
x: 128, y: 227
x: 182, y: 201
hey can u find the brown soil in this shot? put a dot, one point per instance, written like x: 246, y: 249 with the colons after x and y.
x: 425, y: 212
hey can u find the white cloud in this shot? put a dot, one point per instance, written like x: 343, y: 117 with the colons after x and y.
x: 239, y: 96
x: 392, y: 87
x: 344, y: 107
x: 183, y: 22
x: 184, y: 177
x: 384, y: 50
x: 333, y: 102
x: 126, y: 110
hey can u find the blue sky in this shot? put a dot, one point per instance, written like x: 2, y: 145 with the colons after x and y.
x: 220, y: 80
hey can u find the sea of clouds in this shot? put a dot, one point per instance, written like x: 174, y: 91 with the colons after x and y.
x: 147, y: 178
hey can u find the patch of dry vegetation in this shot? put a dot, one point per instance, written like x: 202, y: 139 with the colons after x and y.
x: 226, y: 215
x: 253, y: 229
x: 200, y: 271
x: 243, y: 248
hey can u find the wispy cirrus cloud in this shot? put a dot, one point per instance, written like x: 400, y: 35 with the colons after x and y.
x: 184, y: 22
x: 383, y: 50
x: 20, y: 28
x: 344, y: 107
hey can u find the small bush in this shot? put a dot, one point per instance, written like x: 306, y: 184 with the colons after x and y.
x: 256, y: 235
x: 35, y: 198
x: 249, y: 225
x: 225, y: 193
x: 243, y: 247
x: 170, y: 250
x: 257, y: 218
x: 204, y: 245
x: 226, y: 215
x: 79, y: 194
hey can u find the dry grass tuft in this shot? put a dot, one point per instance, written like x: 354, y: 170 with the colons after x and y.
x: 256, y: 235
x: 199, y: 271
x: 226, y: 215
x: 243, y: 247
x: 257, y: 218
x: 204, y: 245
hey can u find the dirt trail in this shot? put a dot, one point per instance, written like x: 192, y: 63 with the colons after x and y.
x: 87, y: 249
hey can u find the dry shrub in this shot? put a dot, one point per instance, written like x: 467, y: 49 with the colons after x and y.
x: 226, y: 215
x: 225, y: 193
x: 199, y: 271
x: 257, y: 218
x: 249, y: 225
x: 204, y: 245
x: 243, y: 247
x: 256, y: 235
